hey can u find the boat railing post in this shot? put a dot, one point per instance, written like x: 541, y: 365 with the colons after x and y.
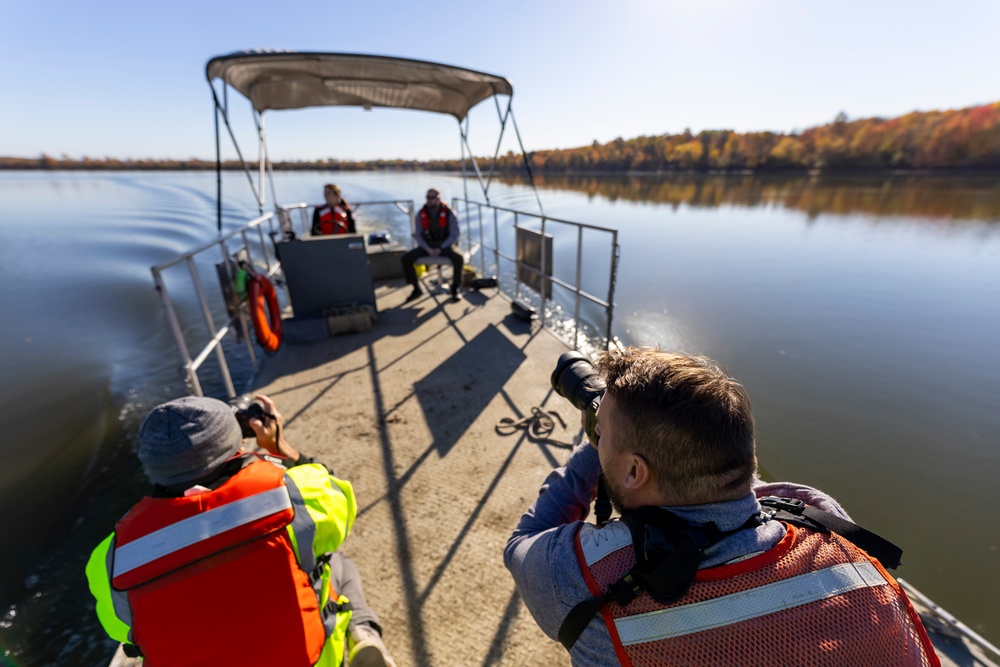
x: 240, y: 315
x: 468, y: 233
x: 496, y: 242
x: 263, y: 247
x: 611, y: 284
x: 206, y: 311
x: 482, y: 249
x: 190, y: 374
x: 579, y: 280
x: 260, y: 161
x: 517, y: 263
x: 411, y: 212
x: 543, y: 278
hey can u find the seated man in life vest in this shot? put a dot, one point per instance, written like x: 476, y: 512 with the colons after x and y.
x: 435, y: 231
x: 693, y: 573
x: 232, y: 559
x: 335, y: 217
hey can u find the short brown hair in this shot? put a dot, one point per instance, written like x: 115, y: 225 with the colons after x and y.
x: 688, y: 419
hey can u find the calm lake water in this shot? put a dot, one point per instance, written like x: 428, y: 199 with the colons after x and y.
x: 862, y: 315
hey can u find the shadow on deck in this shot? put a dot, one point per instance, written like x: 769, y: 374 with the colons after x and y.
x: 407, y: 413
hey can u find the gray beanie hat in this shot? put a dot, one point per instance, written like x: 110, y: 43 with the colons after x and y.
x: 187, y: 438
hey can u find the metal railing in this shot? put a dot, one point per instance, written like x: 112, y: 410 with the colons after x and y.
x: 305, y: 224
x: 278, y: 222
x: 544, y: 273
x: 216, y: 334
x: 947, y: 620
x: 261, y: 255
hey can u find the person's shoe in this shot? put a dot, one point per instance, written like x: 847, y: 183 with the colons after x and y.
x: 415, y: 294
x: 455, y: 298
x: 367, y: 648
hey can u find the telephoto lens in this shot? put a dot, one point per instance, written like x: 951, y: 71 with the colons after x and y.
x: 576, y: 380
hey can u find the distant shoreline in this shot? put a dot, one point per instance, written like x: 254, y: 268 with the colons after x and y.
x: 960, y: 141
x: 35, y: 164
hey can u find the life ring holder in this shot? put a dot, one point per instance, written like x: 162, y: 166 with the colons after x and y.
x: 264, y: 307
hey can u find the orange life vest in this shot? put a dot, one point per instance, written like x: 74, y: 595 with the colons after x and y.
x: 333, y: 220
x: 435, y: 234
x: 196, y: 568
x: 814, y: 599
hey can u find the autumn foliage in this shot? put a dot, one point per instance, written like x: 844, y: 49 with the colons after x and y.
x: 941, y: 140
x: 957, y: 139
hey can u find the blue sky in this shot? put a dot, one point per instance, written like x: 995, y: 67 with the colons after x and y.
x: 126, y: 79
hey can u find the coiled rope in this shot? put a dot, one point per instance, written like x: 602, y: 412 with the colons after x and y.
x: 538, y: 426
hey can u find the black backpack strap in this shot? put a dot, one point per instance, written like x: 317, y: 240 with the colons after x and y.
x: 798, y: 513
x: 579, y: 618
x: 668, y: 552
x: 622, y: 591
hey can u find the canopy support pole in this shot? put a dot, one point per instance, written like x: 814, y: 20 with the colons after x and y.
x: 258, y: 118
x: 475, y: 164
x: 527, y: 163
x: 465, y: 182
x: 503, y: 126
x: 225, y: 118
x: 265, y: 159
x: 218, y: 175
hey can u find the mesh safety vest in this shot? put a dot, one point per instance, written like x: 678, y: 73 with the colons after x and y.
x: 812, y: 600
x: 228, y: 576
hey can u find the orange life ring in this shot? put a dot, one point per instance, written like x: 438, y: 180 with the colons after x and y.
x: 264, y: 298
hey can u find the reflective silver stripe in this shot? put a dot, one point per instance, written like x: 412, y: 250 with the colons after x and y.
x: 599, y: 542
x: 305, y: 530
x: 753, y: 603
x: 199, y: 527
x: 119, y: 599
x: 303, y: 526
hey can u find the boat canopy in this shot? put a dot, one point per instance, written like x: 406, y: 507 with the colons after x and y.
x: 294, y: 80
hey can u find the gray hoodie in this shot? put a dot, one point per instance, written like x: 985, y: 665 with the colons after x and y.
x: 541, y: 555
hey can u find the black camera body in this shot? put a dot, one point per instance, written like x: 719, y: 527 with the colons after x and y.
x: 576, y: 379
x: 245, y: 408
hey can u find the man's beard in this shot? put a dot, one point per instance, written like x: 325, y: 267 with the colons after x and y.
x: 613, y: 494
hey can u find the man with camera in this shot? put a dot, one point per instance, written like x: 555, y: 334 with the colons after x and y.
x: 232, y: 558
x: 707, y: 565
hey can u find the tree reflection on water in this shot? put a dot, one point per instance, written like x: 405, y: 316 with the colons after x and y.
x: 938, y: 198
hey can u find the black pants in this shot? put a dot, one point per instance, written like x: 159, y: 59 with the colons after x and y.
x: 410, y: 273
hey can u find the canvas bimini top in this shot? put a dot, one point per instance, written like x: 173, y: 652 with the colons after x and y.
x: 294, y: 80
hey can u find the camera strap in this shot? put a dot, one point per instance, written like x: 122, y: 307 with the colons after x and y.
x: 668, y: 551
x: 602, y: 503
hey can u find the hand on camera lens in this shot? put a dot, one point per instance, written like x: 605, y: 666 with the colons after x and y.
x: 266, y: 430
x: 270, y: 432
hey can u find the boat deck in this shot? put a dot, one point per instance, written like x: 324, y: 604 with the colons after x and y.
x: 407, y: 412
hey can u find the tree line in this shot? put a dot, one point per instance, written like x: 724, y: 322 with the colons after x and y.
x: 957, y: 139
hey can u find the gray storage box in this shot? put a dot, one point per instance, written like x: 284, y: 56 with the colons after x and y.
x: 326, y: 271
x: 385, y: 260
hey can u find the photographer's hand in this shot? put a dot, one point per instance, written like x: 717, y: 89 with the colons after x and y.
x: 270, y: 434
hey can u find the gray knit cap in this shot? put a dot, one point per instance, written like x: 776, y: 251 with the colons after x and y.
x: 186, y: 438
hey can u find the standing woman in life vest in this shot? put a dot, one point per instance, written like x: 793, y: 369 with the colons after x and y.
x: 335, y: 217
